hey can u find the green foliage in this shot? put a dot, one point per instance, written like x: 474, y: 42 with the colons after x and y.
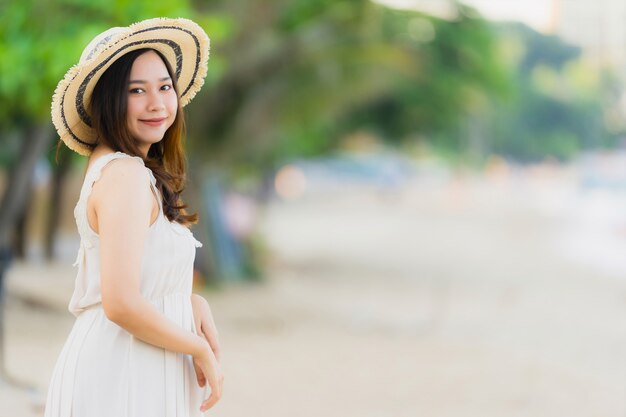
x: 36, y: 53
x: 296, y: 14
x: 453, y: 69
x: 540, y: 49
x: 291, y: 78
x: 343, y: 66
x: 554, y: 111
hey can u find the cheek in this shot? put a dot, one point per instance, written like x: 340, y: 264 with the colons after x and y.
x: 172, y: 104
x: 172, y: 107
x: 131, y: 110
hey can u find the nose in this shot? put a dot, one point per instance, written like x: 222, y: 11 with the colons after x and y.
x: 155, y: 102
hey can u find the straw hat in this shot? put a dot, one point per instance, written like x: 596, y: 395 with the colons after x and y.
x: 182, y: 42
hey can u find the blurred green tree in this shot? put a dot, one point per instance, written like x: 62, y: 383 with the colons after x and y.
x: 298, y: 75
x: 35, y: 55
x: 452, y: 70
x: 287, y: 78
x: 40, y: 40
x: 291, y: 78
x: 552, y: 112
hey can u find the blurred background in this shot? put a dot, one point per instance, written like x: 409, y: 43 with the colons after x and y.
x: 408, y: 207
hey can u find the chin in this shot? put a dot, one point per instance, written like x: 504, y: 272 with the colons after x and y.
x: 152, y: 142
x: 150, y: 139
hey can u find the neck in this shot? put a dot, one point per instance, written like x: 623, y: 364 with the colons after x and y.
x: 144, y: 151
x: 101, y: 148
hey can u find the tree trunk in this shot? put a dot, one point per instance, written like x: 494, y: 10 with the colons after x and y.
x: 34, y: 143
x: 19, y: 239
x: 56, y: 199
x: 204, y: 261
x: 36, y: 139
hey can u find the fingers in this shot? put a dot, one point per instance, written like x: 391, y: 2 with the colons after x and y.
x: 199, y: 375
x: 210, y: 402
x: 216, y: 394
x: 208, y: 368
x: 215, y: 378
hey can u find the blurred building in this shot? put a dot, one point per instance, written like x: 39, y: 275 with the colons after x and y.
x: 598, y: 26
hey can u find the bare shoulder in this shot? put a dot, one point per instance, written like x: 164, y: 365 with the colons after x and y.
x: 124, y: 167
x: 125, y: 178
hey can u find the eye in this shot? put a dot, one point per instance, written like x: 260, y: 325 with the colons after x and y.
x: 166, y: 87
x: 136, y: 90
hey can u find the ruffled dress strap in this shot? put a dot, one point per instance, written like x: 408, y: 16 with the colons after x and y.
x: 87, y: 235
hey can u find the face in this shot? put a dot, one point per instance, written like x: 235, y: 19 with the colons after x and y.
x: 152, y: 101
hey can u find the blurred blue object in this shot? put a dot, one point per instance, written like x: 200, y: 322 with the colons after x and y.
x: 383, y: 170
x: 226, y: 251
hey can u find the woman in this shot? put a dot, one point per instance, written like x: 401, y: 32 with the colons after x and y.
x: 142, y: 343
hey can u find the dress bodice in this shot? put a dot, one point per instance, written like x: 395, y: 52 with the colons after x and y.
x: 169, y: 252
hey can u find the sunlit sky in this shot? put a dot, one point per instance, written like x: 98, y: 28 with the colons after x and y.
x: 535, y: 13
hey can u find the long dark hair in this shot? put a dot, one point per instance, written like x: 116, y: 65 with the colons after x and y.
x: 166, y: 159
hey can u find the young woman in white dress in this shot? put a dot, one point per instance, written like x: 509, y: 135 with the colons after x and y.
x: 142, y: 343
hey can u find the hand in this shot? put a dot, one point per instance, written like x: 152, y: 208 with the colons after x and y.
x: 205, y: 327
x: 207, y: 365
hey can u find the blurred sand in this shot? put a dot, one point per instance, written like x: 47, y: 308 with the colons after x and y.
x: 456, y: 298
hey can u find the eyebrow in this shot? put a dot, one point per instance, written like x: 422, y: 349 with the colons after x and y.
x: 145, y: 82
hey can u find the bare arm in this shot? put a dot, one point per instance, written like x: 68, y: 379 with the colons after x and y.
x: 205, y: 324
x: 123, y: 203
x: 205, y: 327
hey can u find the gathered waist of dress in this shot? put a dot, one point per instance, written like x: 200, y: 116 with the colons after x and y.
x: 158, y: 301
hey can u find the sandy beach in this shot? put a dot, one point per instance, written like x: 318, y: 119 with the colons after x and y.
x: 452, y: 297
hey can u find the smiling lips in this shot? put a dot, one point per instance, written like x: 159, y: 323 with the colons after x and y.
x: 157, y: 121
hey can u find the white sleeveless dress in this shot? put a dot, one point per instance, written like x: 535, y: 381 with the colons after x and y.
x: 104, y: 371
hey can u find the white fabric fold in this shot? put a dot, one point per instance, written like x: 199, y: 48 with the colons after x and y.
x: 104, y: 371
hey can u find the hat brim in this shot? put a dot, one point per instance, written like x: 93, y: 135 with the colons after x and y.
x: 181, y: 41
